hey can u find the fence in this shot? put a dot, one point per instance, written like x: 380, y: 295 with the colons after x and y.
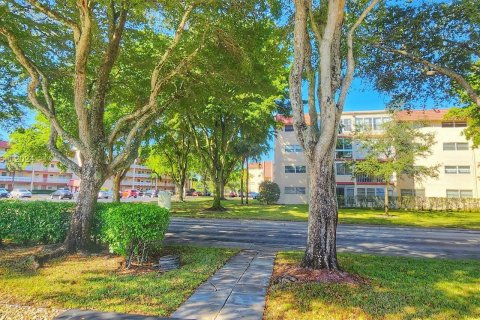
x: 411, y: 203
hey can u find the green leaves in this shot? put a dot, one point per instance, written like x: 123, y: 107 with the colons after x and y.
x: 130, y: 228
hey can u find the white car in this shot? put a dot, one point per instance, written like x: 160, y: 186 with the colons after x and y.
x: 105, y: 194
x: 20, y: 193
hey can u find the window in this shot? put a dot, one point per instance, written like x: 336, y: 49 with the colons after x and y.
x: 295, y: 169
x: 293, y: 148
x: 370, y: 192
x: 451, y: 169
x: 363, y: 124
x: 451, y: 146
x: 448, y: 146
x: 451, y: 193
x: 412, y: 192
x: 288, y: 128
x: 346, y: 125
x: 295, y: 190
x: 377, y: 123
x: 464, y: 169
x: 457, y: 169
x: 454, y: 124
x: 343, y: 169
x: 300, y: 169
x: 344, y: 148
x: 300, y: 190
x: 52, y: 165
x: 289, y: 169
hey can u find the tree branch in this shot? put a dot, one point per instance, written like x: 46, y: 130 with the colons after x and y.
x: 347, y: 81
x: 459, y: 79
x: 38, y: 78
x: 56, y: 16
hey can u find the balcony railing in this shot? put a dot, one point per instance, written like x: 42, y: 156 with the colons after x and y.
x: 35, y: 179
x: 367, y: 179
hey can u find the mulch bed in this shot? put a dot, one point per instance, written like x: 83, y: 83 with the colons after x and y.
x: 285, y: 273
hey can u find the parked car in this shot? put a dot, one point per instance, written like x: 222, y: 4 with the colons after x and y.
x: 151, y: 193
x: 4, y: 193
x: 190, y: 192
x: 253, y: 195
x: 105, y: 194
x: 207, y: 193
x: 20, y: 193
x: 197, y: 193
x: 130, y: 193
x: 233, y: 194
x: 62, y: 194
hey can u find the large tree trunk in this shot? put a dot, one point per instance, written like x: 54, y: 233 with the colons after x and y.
x: 217, y: 196
x: 117, y: 180
x: 78, y: 237
x: 180, y: 189
x: 321, y: 250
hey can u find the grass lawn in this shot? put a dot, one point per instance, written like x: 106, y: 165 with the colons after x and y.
x: 96, y: 282
x: 398, y: 288
x: 195, y: 209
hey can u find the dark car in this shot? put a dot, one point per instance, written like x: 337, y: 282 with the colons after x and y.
x: 190, y: 192
x: 62, y: 194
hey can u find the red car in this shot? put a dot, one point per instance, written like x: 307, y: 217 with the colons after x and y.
x: 130, y: 193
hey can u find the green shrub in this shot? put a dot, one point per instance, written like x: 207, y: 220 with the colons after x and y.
x: 47, y: 222
x: 269, y: 192
x: 131, y: 229
x: 33, y: 222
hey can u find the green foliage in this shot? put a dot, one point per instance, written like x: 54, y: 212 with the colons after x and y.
x: 395, y: 151
x: 33, y: 222
x: 130, y: 229
x: 125, y: 227
x: 409, y: 41
x: 269, y: 192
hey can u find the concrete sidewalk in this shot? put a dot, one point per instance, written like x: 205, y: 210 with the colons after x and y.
x: 236, y: 291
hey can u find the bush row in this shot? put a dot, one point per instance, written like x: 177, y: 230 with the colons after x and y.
x: 127, y: 228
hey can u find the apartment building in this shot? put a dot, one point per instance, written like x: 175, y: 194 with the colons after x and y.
x: 37, y: 176
x: 458, y: 161
x: 257, y: 173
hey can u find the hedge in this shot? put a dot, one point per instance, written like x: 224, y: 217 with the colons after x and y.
x: 120, y: 225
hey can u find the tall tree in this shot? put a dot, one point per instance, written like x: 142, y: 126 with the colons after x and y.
x: 172, y: 151
x: 77, y: 56
x: 396, y: 150
x: 319, y: 33
x: 424, y: 53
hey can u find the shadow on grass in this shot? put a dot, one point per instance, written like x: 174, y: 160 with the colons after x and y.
x: 399, y: 288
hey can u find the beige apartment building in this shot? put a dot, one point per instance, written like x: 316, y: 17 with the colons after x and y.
x: 257, y: 173
x: 457, y: 161
x: 37, y: 176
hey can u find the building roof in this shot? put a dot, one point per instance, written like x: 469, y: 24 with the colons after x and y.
x: 4, y: 144
x: 405, y: 115
x: 416, y: 115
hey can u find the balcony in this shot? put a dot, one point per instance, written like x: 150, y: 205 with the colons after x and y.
x: 35, y: 179
x: 368, y: 179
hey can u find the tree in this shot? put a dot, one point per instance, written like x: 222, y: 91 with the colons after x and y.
x: 98, y: 48
x: 172, y: 152
x: 319, y: 33
x: 395, y: 151
x: 424, y: 53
